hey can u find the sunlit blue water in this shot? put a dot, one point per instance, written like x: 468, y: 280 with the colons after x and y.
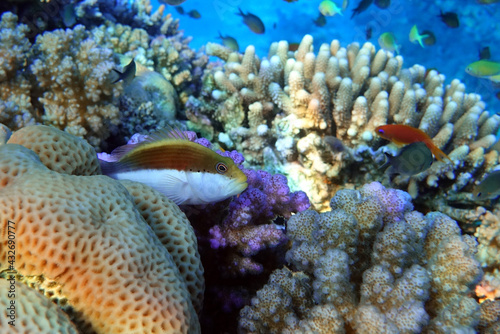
x: 454, y: 49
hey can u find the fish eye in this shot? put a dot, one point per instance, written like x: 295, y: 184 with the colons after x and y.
x: 478, y: 194
x: 221, y: 167
x: 380, y: 131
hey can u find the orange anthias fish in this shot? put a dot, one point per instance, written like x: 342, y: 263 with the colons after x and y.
x: 405, y: 134
x: 184, y: 171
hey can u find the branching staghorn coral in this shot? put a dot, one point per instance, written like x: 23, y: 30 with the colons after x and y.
x: 278, y: 110
x: 371, y: 265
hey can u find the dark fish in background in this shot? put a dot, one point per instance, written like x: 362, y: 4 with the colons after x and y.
x: 194, y: 14
x: 383, y: 4
x: 172, y: 2
x: 362, y: 6
x: 334, y: 143
x: 487, y: 2
x: 489, y: 187
x: 293, y: 46
x: 484, y: 53
x: 450, y: 19
x: 320, y: 20
x: 229, y: 42
x: 180, y: 10
x: 274, y: 25
x: 69, y: 15
x: 412, y: 159
x: 368, y: 32
x: 127, y: 75
x: 252, y: 21
x: 430, y: 39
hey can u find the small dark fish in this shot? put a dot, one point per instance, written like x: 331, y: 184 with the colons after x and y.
x: 194, y: 14
x: 127, y: 75
x: 320, y: 20
x: 430, y: 39
x: 334, y: 143
x: 69, y: 15
x: 412, y: 159
x: 229, y: 42
x: 293, y: 46
x: 497, y: 95
x: 180, y: 10
x: 362, y: 6
x: 368, y: 32
x: 484, y: 53
x: 253, y: 22
x: 450, y: 19
x: 489, y: 187
x: 383, y: 4
x: 172, y: 2
x: 274, y: 25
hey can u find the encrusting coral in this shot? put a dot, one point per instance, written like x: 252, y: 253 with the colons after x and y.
x: 278, y: 110
x: 372, y: 265
x: 118, y: 257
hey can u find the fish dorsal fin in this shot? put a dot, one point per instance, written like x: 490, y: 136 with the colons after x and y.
x: 167, y: 133
x: 119, y: 152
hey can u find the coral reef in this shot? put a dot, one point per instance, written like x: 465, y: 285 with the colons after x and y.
x: 60, y: 80
x: 63, y: 79
x: 278, y: 110
x: 372, y: 265
x: 80, y: 99
x: 116, y: 256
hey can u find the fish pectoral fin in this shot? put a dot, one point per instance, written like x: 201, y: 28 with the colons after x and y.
x: 174, y: 187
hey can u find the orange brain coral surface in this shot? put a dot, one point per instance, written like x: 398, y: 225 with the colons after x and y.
x: 85, y: 233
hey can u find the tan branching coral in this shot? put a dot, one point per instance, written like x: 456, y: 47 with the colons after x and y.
x: 80, y: 100
x: 16, y: 109
x: 118, y: 258
x: 347, y: 92
x: 370, y: 265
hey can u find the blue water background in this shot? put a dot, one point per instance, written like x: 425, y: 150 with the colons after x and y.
x: 454, y: 49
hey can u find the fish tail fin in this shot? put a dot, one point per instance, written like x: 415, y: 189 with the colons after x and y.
x: 241, y: 12
x: 120, y: 76
x: 386, y: 163
x: 440, y: 155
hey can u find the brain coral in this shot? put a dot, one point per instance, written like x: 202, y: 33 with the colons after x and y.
x: 34, y: 312
x: 88, y: 236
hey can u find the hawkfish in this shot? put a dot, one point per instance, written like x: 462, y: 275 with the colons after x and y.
x: 184, y: 171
